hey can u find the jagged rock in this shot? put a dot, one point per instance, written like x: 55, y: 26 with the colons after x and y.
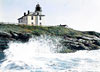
x: 97, y: 42
x: 5, y: 35
x: 92, y: 33
x: 20, y: 36
x: 80, y: 43
x: 3, y: 43
x: 5, y: 38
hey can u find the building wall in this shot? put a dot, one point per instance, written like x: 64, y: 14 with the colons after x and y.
x: 34, y: 20
x: 42, y: 20
x: 27, y: 20
x: 23, y: 20
x: 30, y: 21
x: 38, y: 21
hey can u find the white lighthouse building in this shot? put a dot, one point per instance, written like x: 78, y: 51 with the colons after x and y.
x: 35, y: 18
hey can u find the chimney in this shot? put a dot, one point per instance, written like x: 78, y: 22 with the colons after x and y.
x: 28, y: 12
x: 24, y: 14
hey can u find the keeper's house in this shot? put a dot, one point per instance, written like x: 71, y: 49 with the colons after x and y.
x: 35, y: 18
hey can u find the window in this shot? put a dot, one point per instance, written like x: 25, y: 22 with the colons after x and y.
x: 40, y: 17
x: 40, y: 23
x: 31, y: 17
x: 32, y: 23
x: 19, y: 20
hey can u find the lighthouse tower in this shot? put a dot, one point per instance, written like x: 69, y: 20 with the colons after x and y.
x: 38, y: 16
x: 35, y: 18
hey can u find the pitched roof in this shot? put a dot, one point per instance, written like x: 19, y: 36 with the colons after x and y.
x: 33, y: 14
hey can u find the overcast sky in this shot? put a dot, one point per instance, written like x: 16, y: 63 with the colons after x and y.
x: 77, y: 14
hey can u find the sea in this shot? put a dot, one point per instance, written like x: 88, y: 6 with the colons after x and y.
x: 41, y: 54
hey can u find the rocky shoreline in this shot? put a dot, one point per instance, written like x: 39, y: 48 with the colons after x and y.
x: 5, y: 38
x: 72, y: 40
x: 69, y: 43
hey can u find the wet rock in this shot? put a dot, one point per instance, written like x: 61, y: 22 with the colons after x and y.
x: 20, y: 36
x: 97, y: 42
x: 5, y: 35
x: 5, y: 38
x: 3, y: 43
x: 92, y: 33
x: 81, y: 43
x: 2, y: 56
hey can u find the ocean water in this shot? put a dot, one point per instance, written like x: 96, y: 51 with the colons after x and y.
x: 41, y: 55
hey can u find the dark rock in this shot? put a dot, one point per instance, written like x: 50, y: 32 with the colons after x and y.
x: 80, y: 43
x: 74, y: 47
x: 5, y: 38
x: 5, y: 35
x: 97, y: 42
x: 93, y: 33
x: 20, y: 36
x: 3, y: 43
x: 2, y: 56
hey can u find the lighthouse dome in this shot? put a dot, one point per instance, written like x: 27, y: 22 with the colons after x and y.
x: 38, y: 8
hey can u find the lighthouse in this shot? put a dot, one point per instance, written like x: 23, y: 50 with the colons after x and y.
x: 35, y: 18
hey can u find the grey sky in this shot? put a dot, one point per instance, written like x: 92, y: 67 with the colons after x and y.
x: 77, y: 14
